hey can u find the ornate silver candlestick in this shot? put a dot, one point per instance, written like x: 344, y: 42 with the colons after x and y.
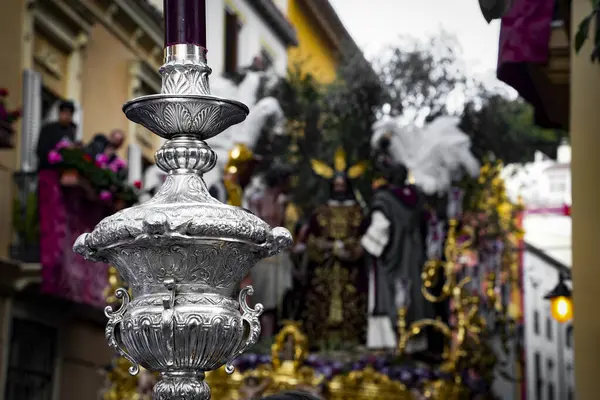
x: 183, y: 253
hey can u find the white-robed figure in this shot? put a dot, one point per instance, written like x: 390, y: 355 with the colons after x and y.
x: 434, y: 156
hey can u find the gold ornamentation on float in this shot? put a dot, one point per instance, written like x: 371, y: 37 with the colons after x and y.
x: 340, y: 165
x: 286, y: 371
x: 339, y: 160
x: 322, y: 169
x: 234, y: 191
x: 357, y: 169
x: 466, y: 346
x: 367, y: 384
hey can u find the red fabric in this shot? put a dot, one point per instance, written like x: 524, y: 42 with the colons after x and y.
x: 525, y: 32
x: 63, y: 217
x: 524, y: 40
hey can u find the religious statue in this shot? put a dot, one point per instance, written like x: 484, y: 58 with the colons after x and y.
x: 271, y: 277
x: 336, y: 291
x: 395, y: 239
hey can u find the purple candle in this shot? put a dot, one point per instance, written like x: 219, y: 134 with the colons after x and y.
x: 185, y: 22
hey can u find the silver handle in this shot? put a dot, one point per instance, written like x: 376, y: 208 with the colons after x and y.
x: 251, y: 316
x: 115, y: 318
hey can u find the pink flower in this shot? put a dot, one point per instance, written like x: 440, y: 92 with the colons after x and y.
x: 120, y: 163
x: 117, y: 165
x: 54, y: 157
x: 3, y: 112
x: 105, y: 195
x: 63, y: 144
x: 101, y: 159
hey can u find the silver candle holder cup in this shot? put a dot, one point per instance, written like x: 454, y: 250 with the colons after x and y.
x: 183, y: 253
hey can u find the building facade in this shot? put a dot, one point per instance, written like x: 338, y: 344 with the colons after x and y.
x: 100, y: 54
x: 544, y: 186
x: 542, y: 183
x: 322, y: 39
x: 563, y: 85
x: 238, y: 32
x: 549, y: 358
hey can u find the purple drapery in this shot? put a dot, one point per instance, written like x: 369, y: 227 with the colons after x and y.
x: 65, y: 214
x: 524, y: 40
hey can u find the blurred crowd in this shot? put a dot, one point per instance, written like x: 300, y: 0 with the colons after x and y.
x: 63, y: 133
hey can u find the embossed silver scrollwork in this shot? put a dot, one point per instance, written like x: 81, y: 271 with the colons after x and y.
x: 114, y: 320
x: 250, y: 315
x: 279, y: 240
x: 168, y: 318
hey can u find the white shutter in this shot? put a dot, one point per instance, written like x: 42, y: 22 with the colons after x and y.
x: 31, y: 119
x: 78, y: 121
x: 134, y: 163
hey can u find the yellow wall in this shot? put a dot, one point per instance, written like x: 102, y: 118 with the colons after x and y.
x: 315, y: 53
x: 106, y: 82
x: 585, y: 164
x: 11, y: 39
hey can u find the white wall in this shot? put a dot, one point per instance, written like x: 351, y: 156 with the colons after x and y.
x: 282, y: 4
x: 254, y: 35
x: 538, y: 279
x: 550, y: 233
x: 543, y: 182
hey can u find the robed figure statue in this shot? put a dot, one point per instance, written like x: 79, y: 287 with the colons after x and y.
x: 335, y: 294
x: 395, y: 239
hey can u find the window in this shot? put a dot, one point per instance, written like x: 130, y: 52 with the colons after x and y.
x: 536, y: 322
x: 557, y: 187
x: 232, y: 30
x: 267, y: 59
x: 49, y: 99
x: 550, y: 391
x: 569, y: 337
x: 31, y: 361
x: 548, y: 326
x: 550, y: 369
x: 538, y: 376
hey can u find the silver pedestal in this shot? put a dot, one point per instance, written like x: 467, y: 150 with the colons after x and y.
x: 183, y: 253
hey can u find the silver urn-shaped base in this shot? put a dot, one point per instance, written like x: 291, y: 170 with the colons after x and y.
x: 182, y: 336
x: 183, y: 260
x: 183, y: 254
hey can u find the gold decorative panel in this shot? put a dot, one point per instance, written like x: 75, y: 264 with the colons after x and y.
x: 52, y: 63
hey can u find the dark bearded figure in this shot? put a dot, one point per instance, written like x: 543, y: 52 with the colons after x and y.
x: 336, y: 291
x: 396, y: 242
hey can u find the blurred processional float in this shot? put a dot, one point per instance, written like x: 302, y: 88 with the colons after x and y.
x: 183, y: 254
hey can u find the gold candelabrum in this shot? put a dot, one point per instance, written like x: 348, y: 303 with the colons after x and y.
x: 476, y: 314
x: 459, y: 338
x: 287, y: 371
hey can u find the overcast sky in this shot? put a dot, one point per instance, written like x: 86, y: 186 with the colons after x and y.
x: 375, y: 24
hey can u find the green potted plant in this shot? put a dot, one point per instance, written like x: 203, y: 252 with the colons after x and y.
x: 26, y: 248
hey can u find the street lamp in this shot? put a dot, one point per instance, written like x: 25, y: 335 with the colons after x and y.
x: 561, y: 303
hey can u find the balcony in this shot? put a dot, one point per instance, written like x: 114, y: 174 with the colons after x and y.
x: 75, y: 196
